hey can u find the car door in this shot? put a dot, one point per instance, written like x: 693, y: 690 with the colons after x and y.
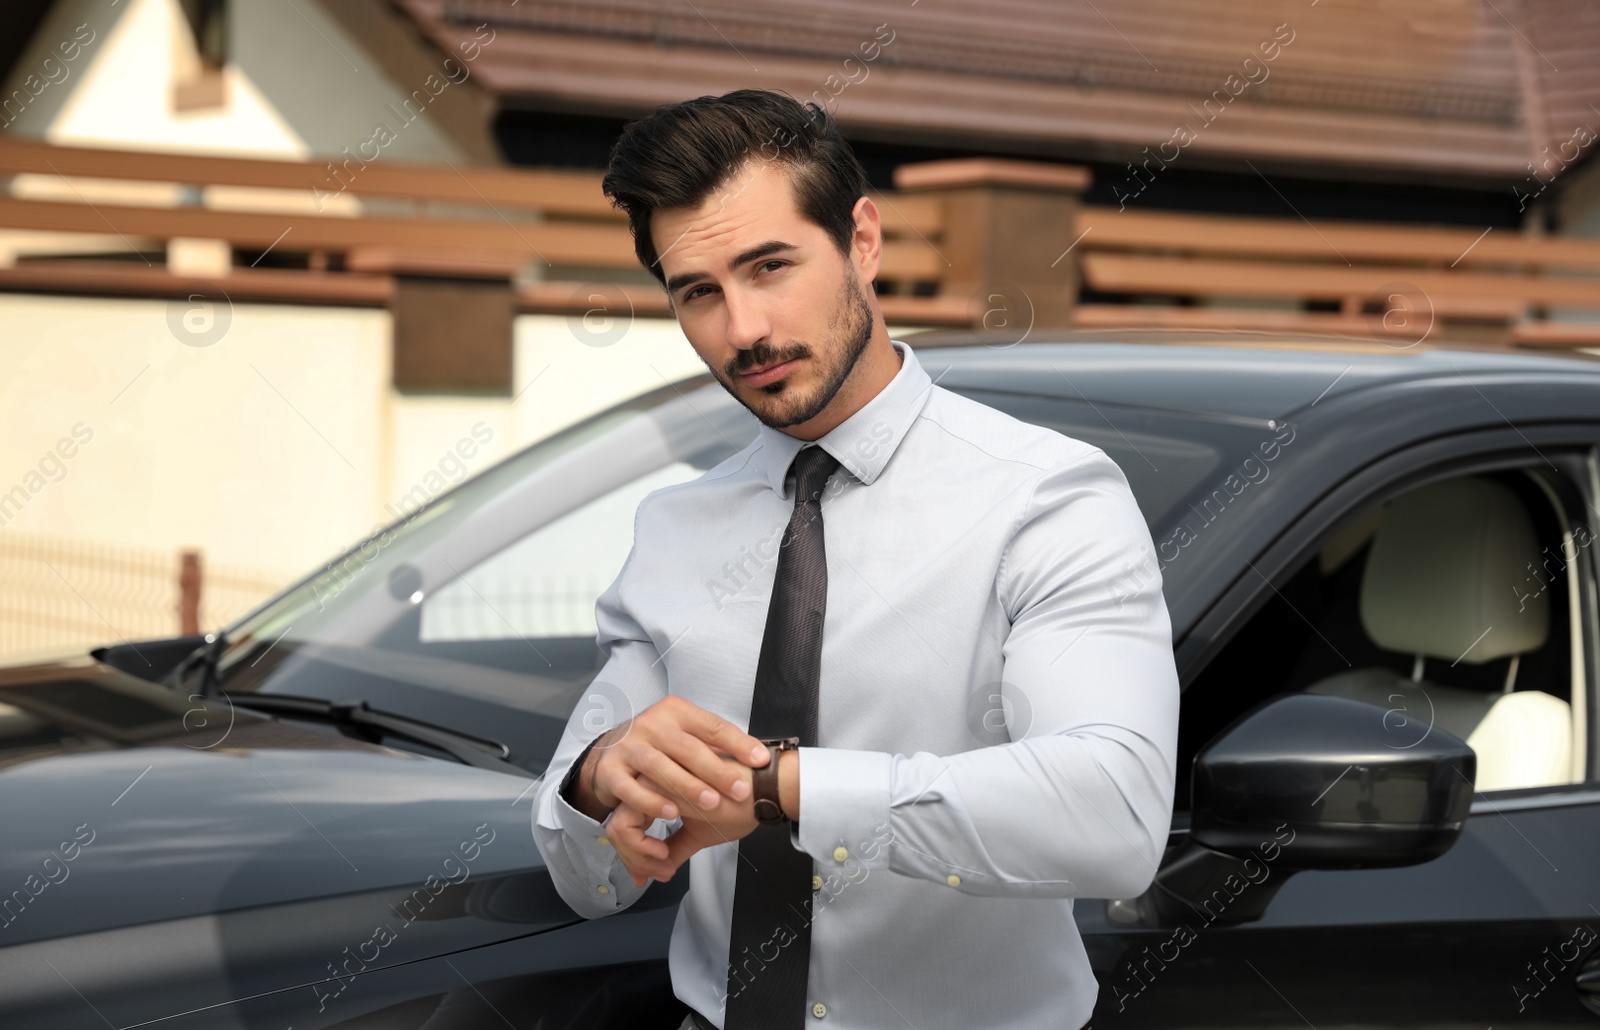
x: 1501, y: 930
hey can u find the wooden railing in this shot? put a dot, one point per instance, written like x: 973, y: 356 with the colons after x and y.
x: 963, y: 240
x: 348, y: 227
x: 1389, y: 281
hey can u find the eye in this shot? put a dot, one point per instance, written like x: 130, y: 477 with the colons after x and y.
x: 772, y: 263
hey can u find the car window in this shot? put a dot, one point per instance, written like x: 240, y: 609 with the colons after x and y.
x: 477, y: 612
x: 1443, y: 608
x: 545, y: 584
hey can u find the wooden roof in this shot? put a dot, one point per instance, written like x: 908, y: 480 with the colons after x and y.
x: 1425, y: 89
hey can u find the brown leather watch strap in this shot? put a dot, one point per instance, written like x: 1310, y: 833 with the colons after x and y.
x: 764, y: 782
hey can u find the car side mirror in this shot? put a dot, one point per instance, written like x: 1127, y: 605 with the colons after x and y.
x: 1336, y: 778
x: 1307, y: 781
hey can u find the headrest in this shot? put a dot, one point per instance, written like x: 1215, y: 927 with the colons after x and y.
x: 1448, y: 562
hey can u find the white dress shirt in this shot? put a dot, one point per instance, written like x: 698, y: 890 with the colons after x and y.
x: 998, y: 709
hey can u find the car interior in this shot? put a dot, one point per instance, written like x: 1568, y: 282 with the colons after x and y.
x: 1442, y: 563
x: 1450, y: 607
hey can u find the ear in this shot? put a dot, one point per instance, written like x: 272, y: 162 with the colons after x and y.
x: 866, y: 243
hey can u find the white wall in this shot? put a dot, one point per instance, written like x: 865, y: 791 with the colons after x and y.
x: 281, y: 442
x: 267, y: 448
x: 118, y: 92
x: 298, y: 85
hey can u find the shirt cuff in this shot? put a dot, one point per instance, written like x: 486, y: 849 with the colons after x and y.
x: 591, y: 835
x: 586, y: 841
x: 844, y: 807
x: 607, y: 887
x: 587, y: 833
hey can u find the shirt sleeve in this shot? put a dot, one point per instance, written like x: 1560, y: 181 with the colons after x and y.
x: 1077, y: 799
x: 583, y: 865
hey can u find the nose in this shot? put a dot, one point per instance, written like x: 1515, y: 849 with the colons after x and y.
x: 748, y: 324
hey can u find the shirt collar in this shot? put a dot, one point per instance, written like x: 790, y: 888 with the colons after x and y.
x: 864, y: 441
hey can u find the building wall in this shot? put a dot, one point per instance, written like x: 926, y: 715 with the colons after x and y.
x: 271, y: 448
x: 281, y: 442
x: 117, y: 91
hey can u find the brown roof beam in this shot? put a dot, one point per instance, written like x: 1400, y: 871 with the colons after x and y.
x: 125, y: 279
x: 605, y: 246
x: 1109, y: 228
x: 573, y: 194
x: 562, y: 243
x: 1132, y: 273
x: 348, y: 289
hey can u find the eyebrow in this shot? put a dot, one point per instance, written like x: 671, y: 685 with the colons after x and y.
x: 755, y: 253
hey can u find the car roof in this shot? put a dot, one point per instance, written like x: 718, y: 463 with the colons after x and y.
x: 1235, y: 374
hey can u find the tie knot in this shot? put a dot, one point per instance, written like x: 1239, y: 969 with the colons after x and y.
x: 812, y: 467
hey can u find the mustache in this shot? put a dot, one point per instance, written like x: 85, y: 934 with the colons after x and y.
x: 762, y: 355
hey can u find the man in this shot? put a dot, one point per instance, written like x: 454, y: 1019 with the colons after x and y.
x: 934, y: 597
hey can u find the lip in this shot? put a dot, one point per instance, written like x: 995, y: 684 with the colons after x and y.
x: 770, y: 374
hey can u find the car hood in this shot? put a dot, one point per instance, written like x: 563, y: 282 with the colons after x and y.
x: 128, y: 807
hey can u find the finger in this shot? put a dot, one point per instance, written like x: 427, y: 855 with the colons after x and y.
x: 651, y: 868
x: 644, y: 847
x: 629, y: 840
x: 647, y: 856
x: 716, y: 731
x: 635, y: 791
x: 667, y: 775
x: 626, y: 830
x: 618, y: 773
x: 632, y: 826
x: 698, y: 776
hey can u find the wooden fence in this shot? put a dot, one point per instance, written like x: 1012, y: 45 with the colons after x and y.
x: 58, y: 593
x: 961, y: 236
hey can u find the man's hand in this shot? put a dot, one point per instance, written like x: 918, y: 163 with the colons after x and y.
x: 647, y: 858
x: 668, y: 756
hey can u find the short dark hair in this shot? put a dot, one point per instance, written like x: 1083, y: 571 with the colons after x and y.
x: 680, y: 153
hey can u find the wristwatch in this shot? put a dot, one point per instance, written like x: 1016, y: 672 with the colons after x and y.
x: 764, y: 782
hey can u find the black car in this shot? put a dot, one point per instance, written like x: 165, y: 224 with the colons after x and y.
x: 1380, y: 568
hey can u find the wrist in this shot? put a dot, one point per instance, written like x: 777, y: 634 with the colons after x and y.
x: 789, y: 783
x: 594, y: 773
x: 578, y: 789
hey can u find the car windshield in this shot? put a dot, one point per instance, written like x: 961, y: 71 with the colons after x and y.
x: 476, y: 610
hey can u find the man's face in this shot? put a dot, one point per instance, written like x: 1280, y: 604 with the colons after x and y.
x: 756, y: 286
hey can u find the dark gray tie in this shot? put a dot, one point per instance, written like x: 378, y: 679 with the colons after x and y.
x: 772, y: 890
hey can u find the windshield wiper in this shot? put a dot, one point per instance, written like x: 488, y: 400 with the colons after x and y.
x: 464, y: 747
x: 206, y: 658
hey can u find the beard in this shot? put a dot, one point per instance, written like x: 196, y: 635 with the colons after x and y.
x: 851, y: 329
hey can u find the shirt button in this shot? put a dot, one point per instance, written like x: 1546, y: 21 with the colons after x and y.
x: 816, y: 883
x: 819, y: 1010
x: 953, y: 880
x: 603, y: 889
x: 840, y: 853
x: 603, y: 839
